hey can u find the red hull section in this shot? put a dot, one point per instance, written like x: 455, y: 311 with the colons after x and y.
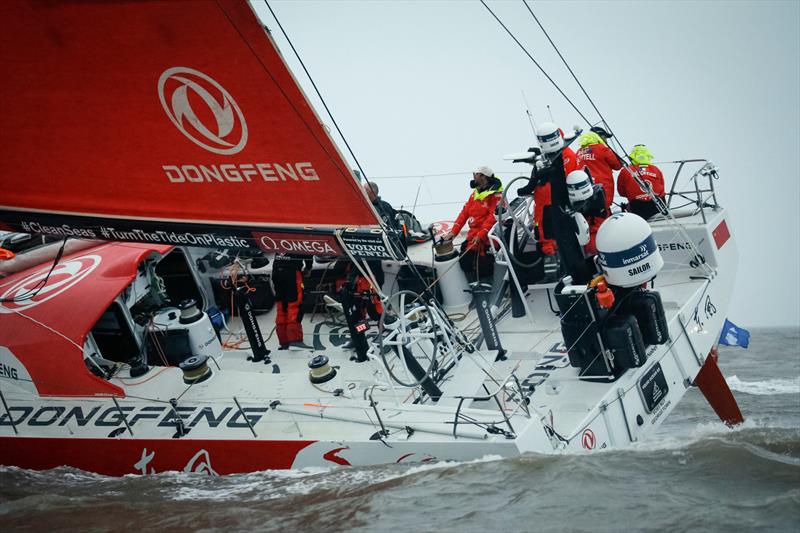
x: 714, y: 387
x: 117, y: 457
x: 46, y: 332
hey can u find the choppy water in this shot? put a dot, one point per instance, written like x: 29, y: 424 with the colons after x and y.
x: 694, y: 474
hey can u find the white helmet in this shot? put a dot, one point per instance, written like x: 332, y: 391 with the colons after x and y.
x: 581, y: 228
x: 627, y: 251
x: 579, y: 186
x: 549, y: 137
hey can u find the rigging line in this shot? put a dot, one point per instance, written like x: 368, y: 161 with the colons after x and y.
x: 566, y: 64
x: 383, y: 226
x: 31, y: 293
x: 334, y: 159
x: 408, y: 176
x: 663, y: 209
x: 575, y: 77
x: 536, y: 63
x: 435, y: 175
x: 45, y: 326
x: 439, y: 203
x: 297, y: 55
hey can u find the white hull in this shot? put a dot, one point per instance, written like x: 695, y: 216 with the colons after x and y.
x: 340, y: 421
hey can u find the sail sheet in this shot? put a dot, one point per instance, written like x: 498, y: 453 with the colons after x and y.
x: 164, y: 122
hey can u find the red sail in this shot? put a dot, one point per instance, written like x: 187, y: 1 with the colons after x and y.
x: 139, y: 120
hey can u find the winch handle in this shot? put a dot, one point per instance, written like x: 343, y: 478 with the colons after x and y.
x: 433, y: 235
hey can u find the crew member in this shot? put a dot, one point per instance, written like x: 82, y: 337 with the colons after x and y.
x: 389, y: 217
x: 541, y: 194
x: 639, y: 201
x: 384, y: 209
x: 601, y: 160
x: 287, y: 279
x: 359, y: 300
x: 479, y: 212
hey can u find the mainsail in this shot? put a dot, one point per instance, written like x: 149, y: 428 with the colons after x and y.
x: 165, y: 122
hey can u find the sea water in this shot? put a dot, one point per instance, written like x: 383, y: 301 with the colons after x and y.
x: 693, y: 474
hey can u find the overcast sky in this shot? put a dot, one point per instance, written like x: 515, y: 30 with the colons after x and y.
x: 430, y: 88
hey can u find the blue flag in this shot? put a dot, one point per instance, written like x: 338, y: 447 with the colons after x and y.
x: 733, y: 335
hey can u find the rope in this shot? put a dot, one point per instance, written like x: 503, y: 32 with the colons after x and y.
x: 537, y: 64
x: 45, y: 326
x: 36, y: 289
x: 313, y: 84
x: 334, y: 158
x: 154, y: 338
x: 567, y: 65
x: 663, y: 209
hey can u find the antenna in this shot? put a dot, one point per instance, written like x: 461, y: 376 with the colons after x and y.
x: 528, y: 112
x: 549, y: 112
x: 419, y: 187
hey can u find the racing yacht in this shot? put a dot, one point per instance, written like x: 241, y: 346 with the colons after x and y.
x: 138, y: 339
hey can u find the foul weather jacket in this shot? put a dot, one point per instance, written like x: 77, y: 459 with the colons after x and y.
x: 387, y: 213
x: 627, y: 186
x: 479, y: 213
x: 287, y: 278
x: 601, y: 162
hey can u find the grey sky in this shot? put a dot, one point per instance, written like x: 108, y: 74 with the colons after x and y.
x: 436, y: 87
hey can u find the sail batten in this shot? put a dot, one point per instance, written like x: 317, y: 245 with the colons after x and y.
x: 148, y: 115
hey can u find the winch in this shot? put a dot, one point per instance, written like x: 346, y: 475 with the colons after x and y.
x: 452, y: 281
x: 180, y: 333
x: 320, y: 371
x: 195, y: 369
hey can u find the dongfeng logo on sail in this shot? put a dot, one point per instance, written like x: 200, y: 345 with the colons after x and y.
x: 208, y: 115
x: 221, y: 105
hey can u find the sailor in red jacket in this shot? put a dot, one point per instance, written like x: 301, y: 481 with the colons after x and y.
x: 541, y: 194
x: 287, y: 279
x: 479, y: 213
x: 601, y: 160
x: 639, y: 201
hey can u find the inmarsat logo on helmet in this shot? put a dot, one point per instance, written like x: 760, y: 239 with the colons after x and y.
x: 218, y: 125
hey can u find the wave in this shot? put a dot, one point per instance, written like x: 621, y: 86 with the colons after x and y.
x: 767, y: 387
x: 274, y: 484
